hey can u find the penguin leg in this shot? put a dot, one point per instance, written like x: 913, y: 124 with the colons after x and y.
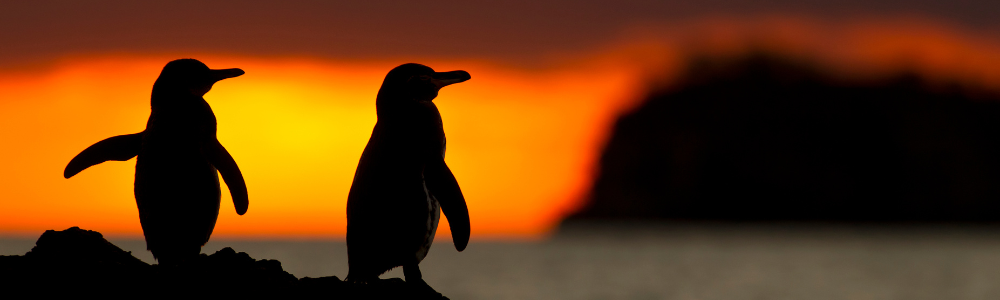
x: 412, y: 274
x: 413, y: 277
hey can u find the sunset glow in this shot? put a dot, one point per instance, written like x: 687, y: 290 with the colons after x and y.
x: 522, y: 143
x: 517, y: 142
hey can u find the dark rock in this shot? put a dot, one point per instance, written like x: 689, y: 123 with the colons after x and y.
x: 764, y: 138
x: 76, y: 262
x: 78, y: 246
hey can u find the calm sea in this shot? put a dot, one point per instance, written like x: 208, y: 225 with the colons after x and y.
x: 681, y: 262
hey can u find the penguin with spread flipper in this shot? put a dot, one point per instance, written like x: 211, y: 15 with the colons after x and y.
x: 179, y: 159
x: 402, y: 182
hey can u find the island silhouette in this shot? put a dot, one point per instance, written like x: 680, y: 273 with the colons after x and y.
x: 763, y: 137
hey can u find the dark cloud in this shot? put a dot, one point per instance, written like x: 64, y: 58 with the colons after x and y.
x: 519, y: 30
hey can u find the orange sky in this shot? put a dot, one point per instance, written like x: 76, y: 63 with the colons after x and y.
x: 518, y: 141
x: 522, y: 142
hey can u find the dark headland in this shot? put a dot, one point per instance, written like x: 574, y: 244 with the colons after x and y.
x: 81, y: 262
x: 767, y: 138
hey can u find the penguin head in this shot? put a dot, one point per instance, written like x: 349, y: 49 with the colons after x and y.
x: 190, y: 76
x: 416, y: 82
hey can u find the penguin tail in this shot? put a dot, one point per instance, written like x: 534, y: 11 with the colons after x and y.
x: 118, y: 148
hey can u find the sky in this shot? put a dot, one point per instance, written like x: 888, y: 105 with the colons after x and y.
x: 524, y: 135
x: 521, y: 32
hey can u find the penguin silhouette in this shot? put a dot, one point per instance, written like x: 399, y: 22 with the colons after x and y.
x: 176, y: 183
x: 402, y: 182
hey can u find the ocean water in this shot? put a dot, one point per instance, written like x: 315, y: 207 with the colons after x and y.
x: 680, y: 262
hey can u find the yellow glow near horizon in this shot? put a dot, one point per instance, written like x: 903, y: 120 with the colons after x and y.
x: 519, y: 143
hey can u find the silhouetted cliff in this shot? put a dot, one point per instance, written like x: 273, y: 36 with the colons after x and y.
x: 761, y: 138
x: 77, y: 263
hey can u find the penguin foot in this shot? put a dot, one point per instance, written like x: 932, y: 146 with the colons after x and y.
x: 362, y: 280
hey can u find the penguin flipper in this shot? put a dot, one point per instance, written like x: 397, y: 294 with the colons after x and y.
x: 222, y: 161
x: 442, y: 184
x: 119, y: 148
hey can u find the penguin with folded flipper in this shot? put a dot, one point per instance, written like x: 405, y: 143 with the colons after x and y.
x: 176, y: 179
x: 402, y: 182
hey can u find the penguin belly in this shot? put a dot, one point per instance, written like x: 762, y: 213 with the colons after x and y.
x: 178, y: 196
x: 388, y: 221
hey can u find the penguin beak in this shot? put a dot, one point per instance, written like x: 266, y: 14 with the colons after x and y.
x: 220, y: 74
x: 442, y: 79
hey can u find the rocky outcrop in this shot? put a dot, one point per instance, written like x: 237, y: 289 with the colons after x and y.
x: 77, y: 262
x: 762, y: 138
